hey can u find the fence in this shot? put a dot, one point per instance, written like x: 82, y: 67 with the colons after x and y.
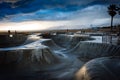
x: 111, y: 38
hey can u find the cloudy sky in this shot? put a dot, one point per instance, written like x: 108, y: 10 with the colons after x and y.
x: 54, y: 14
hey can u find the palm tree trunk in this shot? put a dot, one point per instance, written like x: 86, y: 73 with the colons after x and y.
x: 111, y: 24
x: 111, y: 29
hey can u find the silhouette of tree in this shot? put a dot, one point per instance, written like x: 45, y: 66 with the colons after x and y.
x: 112, y: 13
x: 113, y: 10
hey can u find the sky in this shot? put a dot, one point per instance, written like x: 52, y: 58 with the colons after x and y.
x: 55, y: 14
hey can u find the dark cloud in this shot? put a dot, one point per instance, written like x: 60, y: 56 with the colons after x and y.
x: 14, y: 7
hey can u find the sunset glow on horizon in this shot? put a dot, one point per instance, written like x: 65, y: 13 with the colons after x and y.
x: 28, y: 25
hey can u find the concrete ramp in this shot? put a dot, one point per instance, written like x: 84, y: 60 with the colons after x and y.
x: 88, y: 51
x: 51, y: 44
x: 28, y: 57
x: 32, y: 61
x: 62, y: 40
x: 105, y: 68
x: 68, y: 41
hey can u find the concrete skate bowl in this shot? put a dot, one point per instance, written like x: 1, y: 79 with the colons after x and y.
x: 52, y: 45
x: 28, y: 62
x: 105, y: 68
x: 86, y: 51
x: 31, y: 38
x: 68, y: 41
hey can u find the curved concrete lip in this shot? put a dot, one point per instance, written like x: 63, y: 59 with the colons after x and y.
x: 64, y: 61
x: 104, y: 68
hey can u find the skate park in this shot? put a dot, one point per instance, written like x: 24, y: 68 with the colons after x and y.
x: 61, y: 57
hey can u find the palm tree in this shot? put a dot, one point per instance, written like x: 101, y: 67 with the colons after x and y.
x: 112, y: 13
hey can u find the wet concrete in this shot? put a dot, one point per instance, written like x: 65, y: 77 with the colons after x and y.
x: 44, y: 59
x: 104, y: 68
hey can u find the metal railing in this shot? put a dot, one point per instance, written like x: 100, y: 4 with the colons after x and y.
x: 111, y: 38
